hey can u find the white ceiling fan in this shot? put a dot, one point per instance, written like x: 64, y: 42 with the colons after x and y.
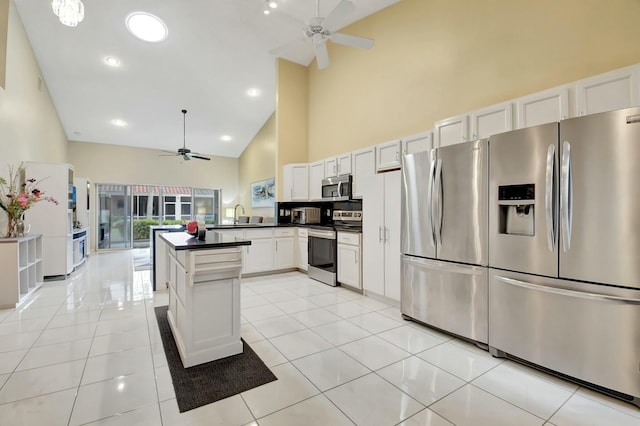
x: 319, y: 30
x: 185, y: 152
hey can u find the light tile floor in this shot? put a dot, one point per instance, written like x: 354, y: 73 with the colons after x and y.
x: 87, y: 351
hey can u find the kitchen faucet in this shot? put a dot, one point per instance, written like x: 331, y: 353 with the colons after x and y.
x: 235, y: 212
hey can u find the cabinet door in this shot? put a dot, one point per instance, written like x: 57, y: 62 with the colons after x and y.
x: 300, y: 182
x: 303, y: 253
x: 417, y: 143
x: 451, y: 130
x: 372, y: 230
x: 259, y: 256
x: 364, y: 166
x: 316, y: 174
x: 491, y: 120
x: 391, y: 236
x: 349, y: 265
x: 330, y: 167
x: 344, y: 164
x: 543, y: 107
x: 609, y: 91
x: 284, y: 254
x: 388, y: 155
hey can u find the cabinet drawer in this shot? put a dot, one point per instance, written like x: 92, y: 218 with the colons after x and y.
x: 285, y: 232
x: 303, y: 232
x: 253, y: 234
x: 349, y: 238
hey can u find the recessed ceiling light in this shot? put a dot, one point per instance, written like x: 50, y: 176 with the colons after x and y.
x: 146, y: 27
x: 226, y: 138
x: 118, y: 122
x: 266, y: 11
x: 253, y: 92
x: 273, y: 5
x: 111, y: 61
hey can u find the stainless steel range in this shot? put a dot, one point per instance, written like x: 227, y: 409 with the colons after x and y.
x: 322, y: 254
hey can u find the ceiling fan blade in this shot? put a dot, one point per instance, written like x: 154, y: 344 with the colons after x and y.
x: 287, y: 46
x: 351, y: 40
x: 186, y: 157
x: 198, y: 156
x: 338, y: 16
x: 320, y: 47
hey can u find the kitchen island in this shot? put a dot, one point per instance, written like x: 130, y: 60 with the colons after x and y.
x: 203, y: 278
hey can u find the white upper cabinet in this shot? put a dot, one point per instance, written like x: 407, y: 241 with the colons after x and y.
x: 336, y: 166
x: 417, y: 143
x: 451, y: 131
x: 543, y: 107
x: 363, y: 166
x: 316, y: 174
x: 295, y: 182
x: 609, y: 91
x: 491, y: 120
x: 388, y: 155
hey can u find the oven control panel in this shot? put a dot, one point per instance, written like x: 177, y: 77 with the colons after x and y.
x: 347, y: 215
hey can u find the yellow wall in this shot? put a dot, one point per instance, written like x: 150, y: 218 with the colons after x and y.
x: 437, y: 58
x: 291, y: 116
x: 258, y: 162
x: 30, y: 129
x: 4, y: 24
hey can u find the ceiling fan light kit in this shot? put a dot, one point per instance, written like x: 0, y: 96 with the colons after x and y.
x: 319, y: 30
x: 70, y: 12
x: 185, y: 152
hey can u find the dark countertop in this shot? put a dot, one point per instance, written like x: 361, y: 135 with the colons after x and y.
x: 214, y: 240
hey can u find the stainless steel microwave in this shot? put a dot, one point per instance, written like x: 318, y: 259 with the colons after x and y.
x: 337, y: 188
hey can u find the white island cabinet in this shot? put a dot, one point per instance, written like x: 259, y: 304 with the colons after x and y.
x: 204, y: 294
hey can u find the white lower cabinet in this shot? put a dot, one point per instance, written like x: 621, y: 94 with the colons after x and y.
x: 349, y: 259
x: 259, y: 255
x: 302, y: 249
x: 284, y: 250
x: 381, y: 235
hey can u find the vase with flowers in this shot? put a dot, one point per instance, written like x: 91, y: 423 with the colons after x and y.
x: 17, y: 195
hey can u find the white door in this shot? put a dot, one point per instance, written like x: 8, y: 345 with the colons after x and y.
x: 372, y: 230
x: 284, y: 253
x: 259, y: 256
x: 388, y: 155
x: 491, y: 120
x: 364, y: 166
x: 451, y: 130
x: 303, y: 253
x: 344, y: 164
x: 417, y: 143
x: 349, y: 265
x: 609, y: 91
x: 543, y: 107
x: 316, y: 174
x: 392, y: 203
x: 300, y: 182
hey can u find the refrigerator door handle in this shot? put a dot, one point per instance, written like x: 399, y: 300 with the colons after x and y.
x: 439, y: 205
x: 548, y: 198
x: 571, y: 293
x: 431, y: 203
x: 566, y: 196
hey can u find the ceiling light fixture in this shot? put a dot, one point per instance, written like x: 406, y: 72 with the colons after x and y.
x: 111, y: 61
x: 253, y: 92
x: 268, y: 5
x: 266, y: 11
x: 70, y: 12
x: 118, y: 122
x: 273, y: 5
x: 147, y: 27
x: 226, y: 138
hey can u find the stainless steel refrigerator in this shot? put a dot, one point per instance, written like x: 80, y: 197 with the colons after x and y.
x: 564, y: 226
x: 445, y: 237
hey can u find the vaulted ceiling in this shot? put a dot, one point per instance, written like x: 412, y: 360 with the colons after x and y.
x: 215, y: 51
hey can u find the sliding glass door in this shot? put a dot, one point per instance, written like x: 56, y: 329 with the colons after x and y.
x: 114, y: 216
x: 126, y: 212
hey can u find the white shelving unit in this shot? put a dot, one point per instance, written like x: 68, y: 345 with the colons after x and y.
x: 21, y: 260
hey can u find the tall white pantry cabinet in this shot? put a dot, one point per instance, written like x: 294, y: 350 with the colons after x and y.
x: 54, y: 222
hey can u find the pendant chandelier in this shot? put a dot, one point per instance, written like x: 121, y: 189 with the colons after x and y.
x: 70, y: 12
